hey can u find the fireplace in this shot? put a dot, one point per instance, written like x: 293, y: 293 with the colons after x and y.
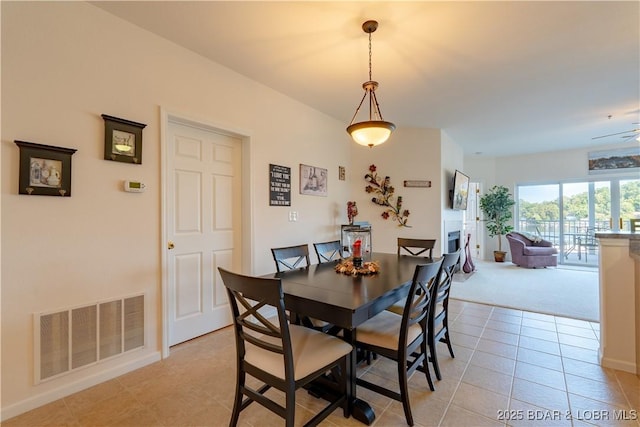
x: 453, y: 244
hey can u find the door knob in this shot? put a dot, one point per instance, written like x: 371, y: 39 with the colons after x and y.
x: 170, y: 245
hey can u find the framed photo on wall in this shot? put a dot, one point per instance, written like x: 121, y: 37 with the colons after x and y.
x: 45, y: 170
x: 313, y: 180
x: 279, y: 185
x: 619, y: 160
x: 122, y: 140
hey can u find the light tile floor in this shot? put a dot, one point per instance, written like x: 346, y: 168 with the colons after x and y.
x: 512, y: 368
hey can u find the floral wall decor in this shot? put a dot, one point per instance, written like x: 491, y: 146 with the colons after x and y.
x: 383, y: 191
x: 352, y: 211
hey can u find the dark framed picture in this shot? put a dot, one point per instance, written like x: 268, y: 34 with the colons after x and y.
x: 313, y: 180
x: 341, y: 173
x: 44, y: 170
x: 279, y: 185
x: 122, y: 140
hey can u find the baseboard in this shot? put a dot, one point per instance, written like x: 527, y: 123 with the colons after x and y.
x: 620, y: 365
x: 36, y: 401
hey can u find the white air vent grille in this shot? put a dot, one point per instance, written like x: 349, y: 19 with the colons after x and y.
x: 72, y: 338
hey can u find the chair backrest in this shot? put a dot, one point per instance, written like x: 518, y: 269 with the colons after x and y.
x: 247, y: 297
x: 328, y: 251
x: 416, y: 247
x: 589, y: 238
x: 291, y: 257
x: 634, y: 225
x: 440, y: 293
x: 418, y: 302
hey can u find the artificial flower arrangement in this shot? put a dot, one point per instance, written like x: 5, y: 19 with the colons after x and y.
x: 384, y: 191
x: 346, y: 266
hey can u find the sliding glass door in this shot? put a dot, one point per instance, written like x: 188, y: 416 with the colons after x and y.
x: 629, y: 202
x: 569, y: 214
x: 587, y: 210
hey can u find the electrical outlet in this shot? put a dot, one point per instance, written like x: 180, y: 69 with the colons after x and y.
x: 293, y: 216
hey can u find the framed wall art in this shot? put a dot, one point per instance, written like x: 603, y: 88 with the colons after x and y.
x: 45, y: 170
x: 122, y: 140
x: 279, y: 185
x: 313, y: 180
x: 619, y: 160
x: 341, y: 173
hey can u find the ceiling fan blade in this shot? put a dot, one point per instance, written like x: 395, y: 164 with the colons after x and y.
x: 619, y: 133
x: 632, y: 136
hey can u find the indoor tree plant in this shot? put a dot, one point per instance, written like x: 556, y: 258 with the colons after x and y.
x: 496, y: 206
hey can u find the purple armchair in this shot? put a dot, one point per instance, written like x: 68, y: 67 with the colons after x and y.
x: 531, y: 253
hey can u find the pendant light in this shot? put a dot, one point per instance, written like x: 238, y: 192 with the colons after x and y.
x: 374, y: 131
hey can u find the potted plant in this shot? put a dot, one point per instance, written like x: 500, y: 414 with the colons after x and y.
x: 496, y: 206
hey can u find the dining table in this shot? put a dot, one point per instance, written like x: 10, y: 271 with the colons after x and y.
x: 346, y: 301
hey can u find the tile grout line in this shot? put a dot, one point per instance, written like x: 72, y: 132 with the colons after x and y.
x: 564, y: 372
x: 446, y: 410
x: 515, y: 366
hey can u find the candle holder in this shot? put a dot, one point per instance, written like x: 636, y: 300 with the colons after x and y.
x: 359, y: 244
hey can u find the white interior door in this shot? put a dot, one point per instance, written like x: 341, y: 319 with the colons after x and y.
x: 203, y: 205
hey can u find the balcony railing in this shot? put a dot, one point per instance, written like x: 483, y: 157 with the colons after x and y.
x: 578, y: 236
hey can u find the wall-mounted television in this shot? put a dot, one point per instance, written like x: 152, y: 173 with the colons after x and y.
x: 460, y: 193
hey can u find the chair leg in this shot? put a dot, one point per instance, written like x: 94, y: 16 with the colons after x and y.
x: 448, y: 341
x: 342, y: 380
x: 404, y: 389
x: 425, y: 365
x: 290, y: 405
x: 237, y: 401
x: 434, y: 358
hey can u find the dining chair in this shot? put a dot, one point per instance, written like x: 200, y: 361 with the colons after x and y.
x: 416, y: 247
x: 291, y: 257
x: 402, y: 339
x: 634, y: 225
x: 328, y: 251
x: 588, y: 242
x: 438, y: 319
x: 278, y: 354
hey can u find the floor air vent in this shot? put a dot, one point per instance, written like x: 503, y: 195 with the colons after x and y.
x: 80, y: 336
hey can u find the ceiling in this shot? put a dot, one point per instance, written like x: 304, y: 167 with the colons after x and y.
x: 500, y: 78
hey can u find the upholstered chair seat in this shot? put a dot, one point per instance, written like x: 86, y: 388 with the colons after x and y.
x: 383, y: 330
x: 311, y: 350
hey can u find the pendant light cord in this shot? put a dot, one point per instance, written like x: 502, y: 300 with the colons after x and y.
x: 370, y: 56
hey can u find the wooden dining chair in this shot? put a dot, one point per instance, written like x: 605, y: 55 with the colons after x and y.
x: 438, y: 319
x: 279, y: 355
x: 328, y: 251
x: 402, y: 339
x: 291, y: 257
x: 634, y: 225
x: 416, y: 247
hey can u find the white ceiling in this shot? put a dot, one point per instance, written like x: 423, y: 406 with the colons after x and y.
x: 500, y: 78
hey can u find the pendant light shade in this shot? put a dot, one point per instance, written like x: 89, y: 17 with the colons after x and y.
x: 371, y: 133
x: 376, y: 130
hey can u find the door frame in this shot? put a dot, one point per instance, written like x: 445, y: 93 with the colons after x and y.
x: 246, y: 210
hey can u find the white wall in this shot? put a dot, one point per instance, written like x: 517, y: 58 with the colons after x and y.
x: 452, y: 159
x: 410, y: 154
x: 63, y: 65
x: 541, y: 168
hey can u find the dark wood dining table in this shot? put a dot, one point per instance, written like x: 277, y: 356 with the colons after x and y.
x: 318, y: 291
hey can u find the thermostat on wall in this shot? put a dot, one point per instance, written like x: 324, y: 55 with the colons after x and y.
x: 134, y: 186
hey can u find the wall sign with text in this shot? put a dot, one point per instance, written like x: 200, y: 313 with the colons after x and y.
x: 279, y: 185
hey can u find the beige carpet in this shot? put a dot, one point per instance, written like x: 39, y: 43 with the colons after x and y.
x: 562, y: 291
